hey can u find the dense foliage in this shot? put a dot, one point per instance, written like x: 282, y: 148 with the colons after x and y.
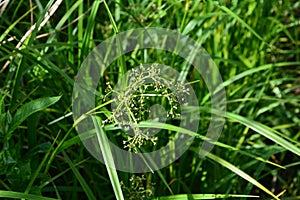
x: 256, y: 47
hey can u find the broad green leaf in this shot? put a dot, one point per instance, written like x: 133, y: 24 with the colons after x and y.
x: 28, y: 109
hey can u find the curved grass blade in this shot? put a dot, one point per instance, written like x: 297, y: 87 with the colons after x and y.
x: 261, y: 129
x: 81, y: 180
x: 265, y: 131
x: 241, y: 173
x: 204, y: 196
x: 235, y: 16
x: 19, y: 195
x: 37, y: 171
x: 248, y: 73
x: 169, y: 127
x: 3, y: 35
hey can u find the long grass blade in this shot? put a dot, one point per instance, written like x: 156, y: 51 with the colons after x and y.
x: 203, y: 196
x: 79, y: 177
x: 240, y: 173
x: 108, y: 158
x: 19, y: 195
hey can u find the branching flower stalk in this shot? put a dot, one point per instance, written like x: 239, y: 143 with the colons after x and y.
x: 137, y: 190
x: 132, y: 97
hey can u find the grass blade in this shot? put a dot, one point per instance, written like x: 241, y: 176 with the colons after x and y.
x: 240, y: 173
x: 235, y: 16
x: 108, y: 158
x: 265, y: 131
x: 89, y: 29
x: 122, y: 68
x: 19, y: 195
x: 14, y: 24
x: 81, y: 180
x: 261, y: 129
x: 248, y: 73
x: 203, y: 196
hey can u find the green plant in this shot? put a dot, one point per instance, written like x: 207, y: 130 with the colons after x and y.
x: 255, y: 45
x: 137, y: 188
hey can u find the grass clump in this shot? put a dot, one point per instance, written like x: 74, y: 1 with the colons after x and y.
x: 255, y: 45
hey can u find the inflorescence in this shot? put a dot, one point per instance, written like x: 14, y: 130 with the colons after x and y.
x: 144, y: 86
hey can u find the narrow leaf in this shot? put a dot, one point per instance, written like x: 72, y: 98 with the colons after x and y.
x: 19, y: 195
x: 204, y: 196
x: 108, y: 158
x: 241, y: 173
x: 265, y: 131
x: 79, y: 177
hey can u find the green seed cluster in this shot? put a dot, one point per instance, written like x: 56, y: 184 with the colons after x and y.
x: 137, y: 189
